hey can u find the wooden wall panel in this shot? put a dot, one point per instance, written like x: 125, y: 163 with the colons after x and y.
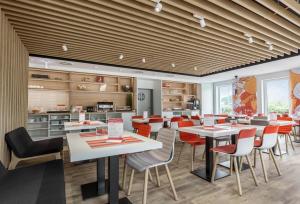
x: 13, y: 83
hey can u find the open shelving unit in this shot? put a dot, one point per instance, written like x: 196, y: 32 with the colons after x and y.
x: 175, y: 95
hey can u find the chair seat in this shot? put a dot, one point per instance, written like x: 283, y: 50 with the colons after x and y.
x: 142, y: 161
x: 226, y: 149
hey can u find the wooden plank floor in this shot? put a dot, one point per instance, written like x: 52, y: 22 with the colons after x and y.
x: 192, y: 190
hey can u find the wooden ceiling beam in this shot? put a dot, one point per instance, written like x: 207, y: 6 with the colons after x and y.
x: 270, y: 36
x: 277, y: 9
x: 267, y: 14
x: 292, y: 4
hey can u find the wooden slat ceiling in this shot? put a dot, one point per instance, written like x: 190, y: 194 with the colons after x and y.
x: 100, y: 30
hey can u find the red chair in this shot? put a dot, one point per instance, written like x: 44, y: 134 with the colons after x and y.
x: 144, y: 130
x: 155, y: 116
x: 260, y: 115
x: 196, y: 120
x: 285, y: 131
x: 191, y: 139
x: 243, y: 147
x: 185, y: 117
x: 221, y: 121
x: 136, y: 125
x: 156, y: 124
x: 174, y: 122
x: 266, y: 142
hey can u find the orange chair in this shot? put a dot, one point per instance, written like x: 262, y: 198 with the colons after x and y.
x: 185, y: 117
x: 191, y: 139
x: 242, y: 148
x: 174, y: 122
x: 136, y: 125
x: 196, y: 120
x: 144, y: 130
x: 285, y: 131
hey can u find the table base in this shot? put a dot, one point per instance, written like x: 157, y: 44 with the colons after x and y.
x: 202, y: 174
x: 124, y: 200
x: 90, y: 190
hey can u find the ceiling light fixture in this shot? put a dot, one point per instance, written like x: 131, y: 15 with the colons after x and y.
x: 201, y: 20
x: 158, y: 6
x: 143, y: 59
x: 249, y: 38
x: 195, y: 68
x: 121, y: 56
x: 173, y: 65
x: 270, y: 45
x: 64, y: 47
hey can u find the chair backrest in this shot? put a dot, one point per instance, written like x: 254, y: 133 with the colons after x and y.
x: 285, y: 128
x: 174, y: 122
x: 19, y: 141
x: 245, y: 142
x: 221, y: 121
x: 144, y: 130
x: 156, y: 124
x: 167, y: 137
x: 185, y: 116
x: 155, y: 116
x: 137, y: 117
x: 269, y: 137
x: 260, y: 115
x: 185, y: 136
x: 136, y: 125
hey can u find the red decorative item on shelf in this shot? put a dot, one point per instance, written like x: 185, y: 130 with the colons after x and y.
x: 99, y: 79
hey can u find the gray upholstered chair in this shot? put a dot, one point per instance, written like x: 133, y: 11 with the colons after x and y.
x: 152, y: 159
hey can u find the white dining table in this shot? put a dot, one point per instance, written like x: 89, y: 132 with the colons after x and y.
x: 80, y: 126
x: 210, y: 133
x: 271, y: 122
x: 81, y: 151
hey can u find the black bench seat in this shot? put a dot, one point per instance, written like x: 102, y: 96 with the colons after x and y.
x: 38, y: 184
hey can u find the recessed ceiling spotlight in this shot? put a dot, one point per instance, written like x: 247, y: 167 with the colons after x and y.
x: 270, y: 45
x: 158, y: 6
x: 201, y: 20
x: 64, y: 47
x: 121, y: 56
x: 249, y: 38
x: 195, y: 68
x: 143, y: 59
x: 173, y: 65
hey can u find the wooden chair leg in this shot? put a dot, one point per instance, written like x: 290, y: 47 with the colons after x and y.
x: 292, y: 144
x: 286, y: 144
x: 130, y: 182
x: 145, y: 186
x: 275, y: 163
x: 252, y: 171
x: 194, y: 154
x: 236, y: 168
x: 279, y: 148
x: 157, y: 176
x: 192, y: 160
x: 240, y: 164
x: 171, y: 182
x: 13, y: 162
x: 58, y: 155
x: 263, y: 166
x: 124, y: 174
x: 231, y: 165
x: 180, y: 152
x: 216, y: 161
x: 203, y: 154
x: 150, y: 176
x: 254, y: 165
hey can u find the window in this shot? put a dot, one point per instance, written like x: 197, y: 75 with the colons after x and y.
x: 276, y: 95
x: 224, y: 98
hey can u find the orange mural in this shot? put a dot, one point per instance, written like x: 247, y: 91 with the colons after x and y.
x: 295, y: 90
x: 244, y: 96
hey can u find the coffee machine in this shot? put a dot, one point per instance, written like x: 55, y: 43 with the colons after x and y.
x: 193, y: 104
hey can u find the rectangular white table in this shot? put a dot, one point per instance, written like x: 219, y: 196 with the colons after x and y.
x: 81, y: 151
x: 210, y: 135
x: 146, y: 120
x: 78, y: 126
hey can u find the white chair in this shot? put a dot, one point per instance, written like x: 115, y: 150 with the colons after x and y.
x: 152, y: 159
x: 242, y: 148
x: 267, y: 142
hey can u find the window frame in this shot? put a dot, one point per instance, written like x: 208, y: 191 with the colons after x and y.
x: 217, y: 95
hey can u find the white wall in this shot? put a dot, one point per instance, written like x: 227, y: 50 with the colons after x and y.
x: 207, y: 96
x: 155, y: 85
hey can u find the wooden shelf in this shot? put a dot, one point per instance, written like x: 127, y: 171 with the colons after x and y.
x: 49, y: 80
x: 86, y: 82
x: 47, y: 89
x: 173, y: 101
